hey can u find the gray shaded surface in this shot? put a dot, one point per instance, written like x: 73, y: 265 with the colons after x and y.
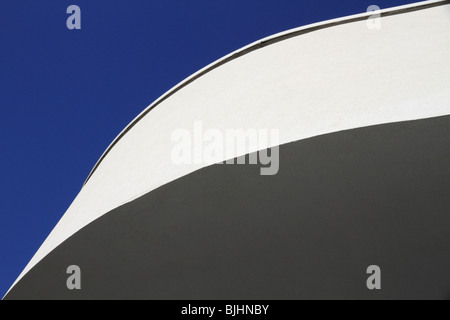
x: 339, y: 203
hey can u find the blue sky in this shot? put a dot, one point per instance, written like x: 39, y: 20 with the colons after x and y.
x: 66, y: 94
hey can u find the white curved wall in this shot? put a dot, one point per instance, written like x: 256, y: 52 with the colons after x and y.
x: 336, y: 78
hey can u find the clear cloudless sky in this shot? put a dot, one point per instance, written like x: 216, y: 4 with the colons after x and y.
x: 66, y: 94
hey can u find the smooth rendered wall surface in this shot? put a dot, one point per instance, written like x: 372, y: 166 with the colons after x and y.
x: 340, y: 203
x: 335, y: 78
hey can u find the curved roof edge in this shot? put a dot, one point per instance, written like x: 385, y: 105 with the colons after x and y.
x: 260, y: 44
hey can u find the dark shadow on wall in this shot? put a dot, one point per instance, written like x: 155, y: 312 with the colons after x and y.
x: 339, y: 203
